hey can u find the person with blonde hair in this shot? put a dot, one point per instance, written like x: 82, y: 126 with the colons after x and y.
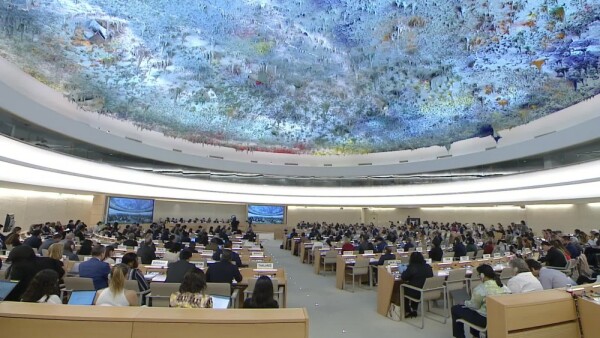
x: 116, y: 294
x: 55, y: 251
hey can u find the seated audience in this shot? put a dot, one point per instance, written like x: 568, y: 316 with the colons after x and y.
x: 131, y: 260
x: 54, y: 260
x: 553, y: 257
x: 14, y: 238
x: 22, y: 268
x: 459, y: 248
x: 69, y: 251
x: 147, y: 250
x: 488, y: 249
x: 86, y: 248
x: 223, y: 271
x: 177, y: 270
x: 95, y: 268
x: 387, y: 256
x: 415, y: 275
x: 347, y: 246
x: 191, y: 291
x: 235, y: 257
x: 44, y: 288
x: 475, y: 310
x: 471, y: 247
x: 549, y: 278
x: 524, y: 280
x: 262, y: 296
x: 116, y: 294
x: 109, y: 251
x: 436, y: 253
x: 130, y: 242
x: 172, y: 255
x: 35, y: 240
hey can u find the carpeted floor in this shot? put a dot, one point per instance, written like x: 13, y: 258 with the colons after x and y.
x: 340, y: 313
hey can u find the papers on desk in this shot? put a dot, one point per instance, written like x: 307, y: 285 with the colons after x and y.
x: 373, y: 260
x: 161, y: 278
x: 150, y: 275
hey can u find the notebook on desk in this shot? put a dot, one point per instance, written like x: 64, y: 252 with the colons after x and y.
x: 220, y: 302
x: 6, y: 288
x: 82, y: 298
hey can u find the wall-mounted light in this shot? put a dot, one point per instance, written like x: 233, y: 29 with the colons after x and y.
x: 488, y: 208
x: 594, y: 205
x: 549, y: 206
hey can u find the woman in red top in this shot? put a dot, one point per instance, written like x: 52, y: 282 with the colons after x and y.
x: 347, y: 246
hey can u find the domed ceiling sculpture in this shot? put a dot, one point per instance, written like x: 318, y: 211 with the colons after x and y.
x: 311, y: 76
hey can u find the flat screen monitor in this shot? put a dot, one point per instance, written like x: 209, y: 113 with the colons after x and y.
x: 220, y: 302
x: 266, y: 214
x: 82, y: 298
x: 5, y: 288
x: 130, y: 210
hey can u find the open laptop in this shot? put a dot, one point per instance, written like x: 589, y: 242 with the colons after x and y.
x: 220, y: 302
x: 82, y: 298
x: 6, y: 288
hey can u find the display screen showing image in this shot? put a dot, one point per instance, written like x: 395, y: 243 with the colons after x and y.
x: 130, y: 210
x: 266, y: 214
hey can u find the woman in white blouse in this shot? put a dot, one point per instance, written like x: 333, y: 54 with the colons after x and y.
x: 524, y: 280
x: 43, y: 288
x: 115, y: 294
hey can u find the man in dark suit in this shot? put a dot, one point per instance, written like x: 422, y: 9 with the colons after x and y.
x: 147, y: 251
x: 178, y: 269
x: 223, y: 271
x: 95, y: 268
x: 235, y: 257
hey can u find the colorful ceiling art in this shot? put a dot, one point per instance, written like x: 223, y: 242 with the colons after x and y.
x: 311, y: 76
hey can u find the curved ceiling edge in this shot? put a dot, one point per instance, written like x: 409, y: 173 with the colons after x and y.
x: 43, y: 168
x: 16, y: 97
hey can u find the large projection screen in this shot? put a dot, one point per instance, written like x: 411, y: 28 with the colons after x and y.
x: 266, y: 214
x: 129, y: 210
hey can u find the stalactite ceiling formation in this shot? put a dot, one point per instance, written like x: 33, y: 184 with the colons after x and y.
x: 311, y: 76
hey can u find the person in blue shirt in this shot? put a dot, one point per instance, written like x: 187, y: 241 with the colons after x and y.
x: 95, y: 268
x: 380, y: 245
x: 408, y: 245
x: 459, y: 248
x: 572, y: 247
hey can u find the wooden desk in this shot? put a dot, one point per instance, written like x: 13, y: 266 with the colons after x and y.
x: 541, y: 314
x: 589, y: 315
x: 38, y: 320
x: 304, y: 249
x: 295, y: 243
x: 318, y: 259
x: 340, y: 268
x: 388, y: 291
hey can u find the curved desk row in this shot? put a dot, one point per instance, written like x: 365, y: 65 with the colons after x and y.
x: 45, y: 320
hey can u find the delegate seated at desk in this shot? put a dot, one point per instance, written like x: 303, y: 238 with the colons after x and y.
x: 436, y: 253
x: 223, y: 271
x: 524, y: 280
x: 415, y: 275
x: 147, y: 250
x: 262, y: 296
x: 116, y: 294
x: 43, y: 288
x: 191, y: 291
x: 553, y: 256
x: 177, y: 270
x: 549, y: 278
x: 235, y: 257
x: 95, y: 268
x: 475, y: 310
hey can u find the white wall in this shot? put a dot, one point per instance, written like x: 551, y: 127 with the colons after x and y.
x: 31, y: 207
x: 329, y: 215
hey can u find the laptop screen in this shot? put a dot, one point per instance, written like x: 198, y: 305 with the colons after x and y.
x: 82, y: 298
x: 220, y: 302
x: 5, y: 288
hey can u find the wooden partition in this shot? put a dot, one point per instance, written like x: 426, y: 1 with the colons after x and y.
x: 542, y: 314
x: 47, y: 320
x: 589, y: 316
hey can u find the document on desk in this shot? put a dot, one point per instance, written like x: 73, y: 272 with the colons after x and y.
x: 159, y: 278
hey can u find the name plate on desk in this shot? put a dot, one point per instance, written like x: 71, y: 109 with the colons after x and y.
x: 447, y: 259
x: 368, y: 252
x: 159, y: 263
x: 497, y: 255
x: 507, y: 254
x: 257, y: 254
x: 206, y: 252
x: 419, y: 249
x: 199, y: 265
x: 487, y: 256
x: 348, y: 253
x: 392, y: 262
x: 464, y: 258
x: 264, y: 266
x: 161, y: 250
